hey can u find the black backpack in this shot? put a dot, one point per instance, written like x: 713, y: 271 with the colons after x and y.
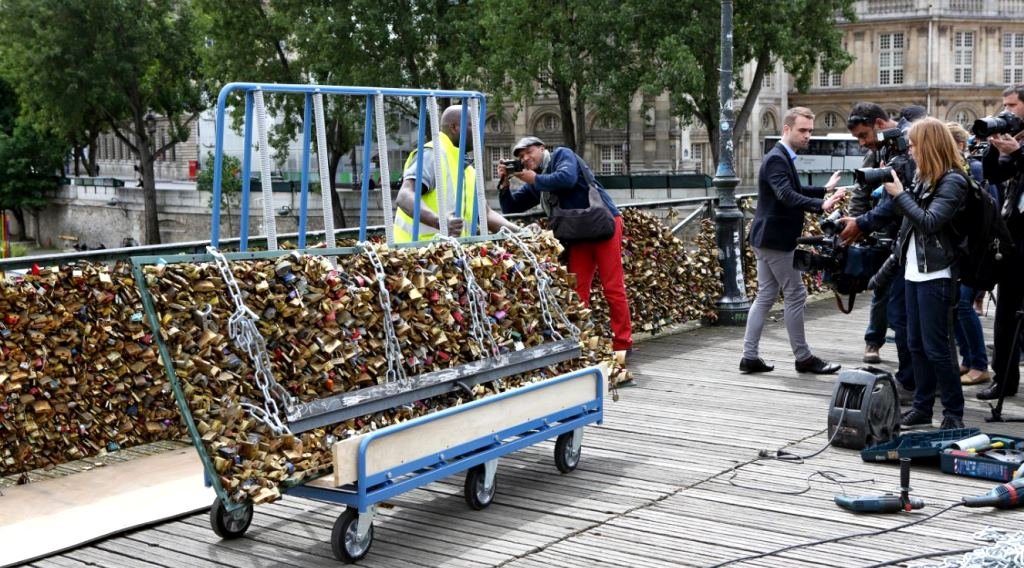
x: 985, y: 246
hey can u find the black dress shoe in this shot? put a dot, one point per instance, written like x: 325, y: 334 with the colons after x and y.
x: 817, y: 365
x: 992, y: 393
x: 755, y: 365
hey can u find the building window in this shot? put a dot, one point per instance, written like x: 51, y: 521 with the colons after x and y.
x: 1013, y: 58
x: 827, y: 79
x: 964, y: 118
x: 612, y: 159
x: 894, y: 114
x: 830, y: 120
x: 890, y: 58
x: 768, y: 82
x: 768, y: 122
x: 496, y: 125
x: 963, y: 57
x: 495, y: 153
x: 549, y: 123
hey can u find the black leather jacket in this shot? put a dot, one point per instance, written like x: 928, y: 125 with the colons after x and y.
x: 926, y: 216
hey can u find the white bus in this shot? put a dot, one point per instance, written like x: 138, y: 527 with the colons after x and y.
x: 825, y: 153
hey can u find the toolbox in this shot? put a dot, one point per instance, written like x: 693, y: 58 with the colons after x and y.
x: 997, y: 465
x: 916, y: 445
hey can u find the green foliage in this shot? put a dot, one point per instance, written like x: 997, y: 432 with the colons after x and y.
x: 230, y: 180
x: 29, y: 159
x: 679, y: 49
x: 80, y: 66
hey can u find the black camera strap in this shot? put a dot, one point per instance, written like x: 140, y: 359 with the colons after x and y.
x: 839, y: 302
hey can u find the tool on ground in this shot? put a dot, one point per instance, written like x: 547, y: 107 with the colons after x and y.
x: 1005, y: 496
x: 887, y: 503
x: 865, y: 409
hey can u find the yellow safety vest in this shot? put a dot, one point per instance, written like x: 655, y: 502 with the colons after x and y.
x: 449, y: 182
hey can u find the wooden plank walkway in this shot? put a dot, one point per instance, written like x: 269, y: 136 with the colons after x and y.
x: 671, y: 479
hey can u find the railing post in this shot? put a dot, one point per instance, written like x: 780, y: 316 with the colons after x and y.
x: 733, y: 305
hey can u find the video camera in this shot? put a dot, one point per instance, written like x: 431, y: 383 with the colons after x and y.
x: 512, y: 166
x: 846, y: 269
x: 1003, y: 123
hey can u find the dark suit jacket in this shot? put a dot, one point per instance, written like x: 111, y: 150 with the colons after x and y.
x: 781, y: 202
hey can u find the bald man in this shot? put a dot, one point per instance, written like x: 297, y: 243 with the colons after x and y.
x: 459, y: 214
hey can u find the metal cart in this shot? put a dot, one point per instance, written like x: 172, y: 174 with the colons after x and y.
x: 387, y: 462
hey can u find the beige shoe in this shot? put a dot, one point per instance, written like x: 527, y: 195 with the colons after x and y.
x: 975, y: 377
x: 871, y: 355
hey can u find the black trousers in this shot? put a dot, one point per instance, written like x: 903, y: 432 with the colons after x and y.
x: 1005, y: 362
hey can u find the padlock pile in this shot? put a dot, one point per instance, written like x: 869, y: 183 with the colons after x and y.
x: 668, y: 281
x: 328, y: 330
x: 79, y: 370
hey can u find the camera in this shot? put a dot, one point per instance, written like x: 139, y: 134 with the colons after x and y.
x: 870, y: 178
x: 512, y: 166
x: 1003, y: 123
x: 893, y: 139
x: 846, y: 269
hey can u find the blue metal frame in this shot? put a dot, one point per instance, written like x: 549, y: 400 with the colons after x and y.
x: 371, y: 489
x: 308, y: 90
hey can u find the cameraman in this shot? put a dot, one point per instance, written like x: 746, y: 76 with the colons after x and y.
x: 1004, y: 161
x: 868, y: 122
x: 560, y: 177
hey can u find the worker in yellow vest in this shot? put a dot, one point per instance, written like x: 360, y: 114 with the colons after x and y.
x: 459, y: 214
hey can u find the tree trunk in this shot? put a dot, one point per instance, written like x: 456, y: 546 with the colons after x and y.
x: 581, y: 124
x: 152, y: 219
x: 90, y: 165
x: 337, y: 210
x: 78, y: 159
x: 564, y: 94
x: 741, y: 119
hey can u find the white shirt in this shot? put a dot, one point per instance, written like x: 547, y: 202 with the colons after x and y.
x: 912, y: 274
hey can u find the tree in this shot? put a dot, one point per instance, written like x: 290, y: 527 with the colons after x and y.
x: 230, y: 183
x: 387, y: 43
x: 571, y: 48
x: 29, y: 161
x: 122, y: 60
x: 681, y: 45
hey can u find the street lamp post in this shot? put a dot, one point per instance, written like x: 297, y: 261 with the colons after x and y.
x: 733, y: 305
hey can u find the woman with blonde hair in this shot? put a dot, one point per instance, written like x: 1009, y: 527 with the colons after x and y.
x: 970, y: 337
x: 927, y: 251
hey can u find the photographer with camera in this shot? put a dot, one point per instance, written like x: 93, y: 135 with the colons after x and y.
x: 450, y: 134
x: 1004, y: 162
x: 778, y: 222
x: 559, y: 178
x: 928, y: 253
x: 871, y: 125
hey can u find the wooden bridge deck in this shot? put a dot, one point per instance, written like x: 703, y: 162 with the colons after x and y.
x: 672, y: 478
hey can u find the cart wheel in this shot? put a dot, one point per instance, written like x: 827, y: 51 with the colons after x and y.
x: 566, y: 459
x: 477, y: 495
x: 230, y: 525
x: 345, y: 540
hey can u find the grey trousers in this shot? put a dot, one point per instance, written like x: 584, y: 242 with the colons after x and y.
x: 775, y: 273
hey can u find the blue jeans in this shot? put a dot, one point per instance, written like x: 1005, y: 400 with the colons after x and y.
x: 969, y: 335
x: 878, y: 322
x: 931, y: 309
x: 897, y: 315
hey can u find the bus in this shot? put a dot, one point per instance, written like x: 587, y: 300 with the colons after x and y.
x: 825, y: 154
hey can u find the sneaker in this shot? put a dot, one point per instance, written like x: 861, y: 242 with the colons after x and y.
x: 951, y: 423
x: 913, y: 418
x: 871, y: 355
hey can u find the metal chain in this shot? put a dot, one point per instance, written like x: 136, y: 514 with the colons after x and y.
x: 543, y: 287
x: 1006, y: 552
x: 477, y: 300
x: 242, y: 329
x: 392, y: 349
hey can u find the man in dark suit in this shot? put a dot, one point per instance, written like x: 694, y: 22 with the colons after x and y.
x: 778, y: 221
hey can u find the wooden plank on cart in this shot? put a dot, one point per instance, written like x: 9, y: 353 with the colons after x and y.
x: 457, y: 428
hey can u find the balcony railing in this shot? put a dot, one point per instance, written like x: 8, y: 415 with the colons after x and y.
x: 879, y: 9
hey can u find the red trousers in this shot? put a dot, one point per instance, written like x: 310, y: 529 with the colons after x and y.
x: 605, y: 258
